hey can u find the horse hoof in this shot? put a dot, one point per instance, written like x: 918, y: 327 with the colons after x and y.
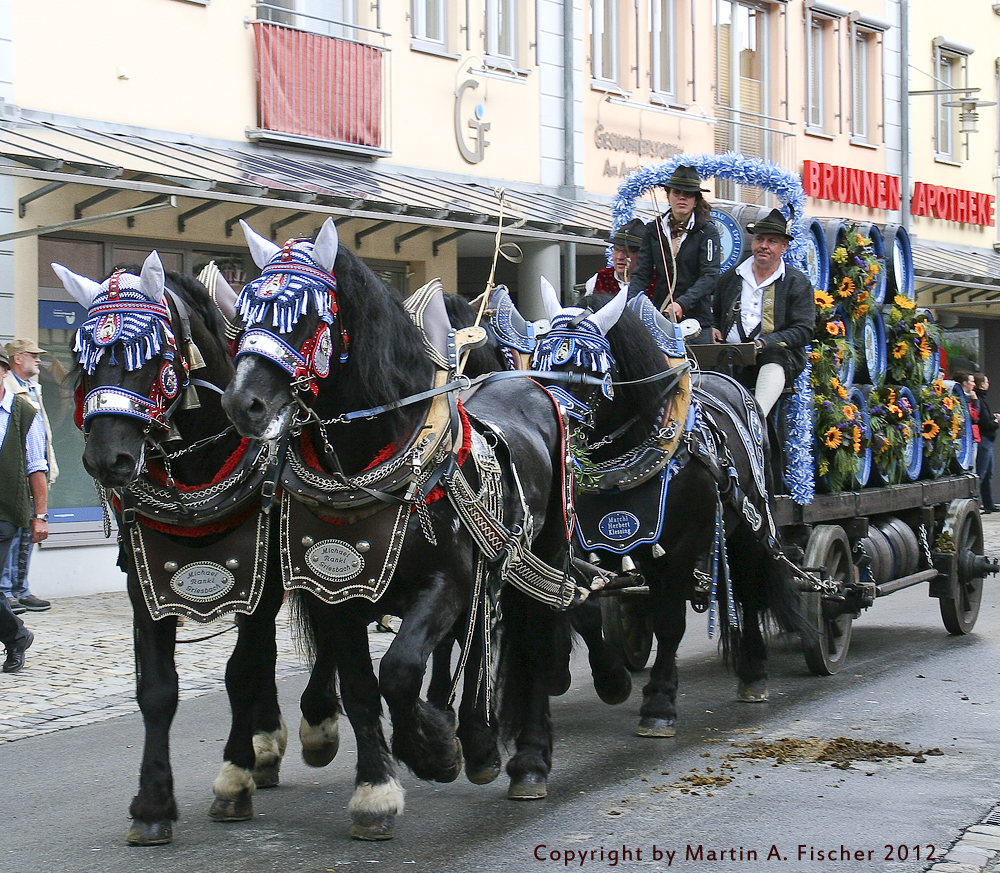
x: 656, y: 727
x: 381, y: 827
x: 456, y: 769
x: 752, y: 692
x: 615, y: 687
x: 559, y: 683
x: 484, y: 774
x: 150, y: 833
x: 528, y: 787
x: 321, y: 742
x: 267, y: 777
x: 224, y: 809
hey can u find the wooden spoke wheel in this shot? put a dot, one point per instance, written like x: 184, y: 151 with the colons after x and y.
x: 828, y: 549
x: 628, y: 627
x: 960, y: 608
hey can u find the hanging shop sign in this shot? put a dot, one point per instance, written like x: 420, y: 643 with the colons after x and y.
x: 952, y: 204
x: 848, y: 185
x: 637, y: 146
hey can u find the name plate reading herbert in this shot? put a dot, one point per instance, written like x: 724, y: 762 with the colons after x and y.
x: 202, y: 581
x: 619, y: 525
x: 335, y: 560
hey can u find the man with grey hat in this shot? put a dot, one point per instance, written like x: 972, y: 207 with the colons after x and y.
x: 625, y: 244
x: 25, y: 366
x: 771, y: 304
x: 23, y: 499
x: 679, y: 255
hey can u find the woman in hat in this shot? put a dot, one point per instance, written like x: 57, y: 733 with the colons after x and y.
x: 771, y: 304
x: 679, y: 255
x: 625, y: 244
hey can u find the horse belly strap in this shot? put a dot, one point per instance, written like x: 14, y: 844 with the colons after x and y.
x: 203, y: 583
x: 358, y: 562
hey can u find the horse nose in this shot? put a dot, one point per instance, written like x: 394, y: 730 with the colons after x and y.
x: 112, y: 470
x: 246, y: 410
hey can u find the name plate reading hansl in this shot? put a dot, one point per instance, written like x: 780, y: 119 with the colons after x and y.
x: 202, y: 581
x: 335, y: 560
x: 619, y: 525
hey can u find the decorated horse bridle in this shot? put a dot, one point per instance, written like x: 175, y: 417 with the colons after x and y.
x: 284, y: 290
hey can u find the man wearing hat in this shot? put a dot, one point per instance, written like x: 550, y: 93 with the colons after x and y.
x: 770, y: 303
x: 23, y: 498
x: 625, y: 244
x: 680, y: 254
x: 25, y: 366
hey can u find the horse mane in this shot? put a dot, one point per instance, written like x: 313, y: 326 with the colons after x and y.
x: 386, y: 356
x: 636, y: 356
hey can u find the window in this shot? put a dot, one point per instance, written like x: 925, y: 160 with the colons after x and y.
x: 951, y: 73
x: 429, y: 21
x: 501, y: 28
x: 861, y: 84
x: 816, y: 75
x: 663, y: 49
x: 604, y: 63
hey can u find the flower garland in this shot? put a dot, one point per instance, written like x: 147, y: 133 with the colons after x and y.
x: 840, y: 439
x: 854, y: 271
x: 911, y: 337
x: 831, y: 354
x: 943, y: 419
x: 893, y: 427
x: 787, y: 187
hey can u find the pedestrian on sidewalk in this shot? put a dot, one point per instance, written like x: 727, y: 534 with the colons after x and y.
x: 25, y: 366
x: 988, y: 428
x: 23, y: 498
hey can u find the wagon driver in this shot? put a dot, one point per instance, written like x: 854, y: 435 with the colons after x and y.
x: 771, y: 304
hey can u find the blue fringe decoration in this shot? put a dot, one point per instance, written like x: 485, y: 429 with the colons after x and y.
x: 786, y: 186
x: 289, y: 283
x: 143, y: 330
x: 583, y: 346
x: 800, y: 471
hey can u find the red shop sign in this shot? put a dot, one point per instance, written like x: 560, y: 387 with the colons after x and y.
x: 848, y: 185
x: 952, y: 204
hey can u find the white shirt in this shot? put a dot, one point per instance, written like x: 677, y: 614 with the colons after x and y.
x: 752, y: 299
x: 665, y: 224
x: 35, y: 439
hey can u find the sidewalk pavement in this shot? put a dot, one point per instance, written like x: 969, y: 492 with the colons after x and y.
x: 80, y: 668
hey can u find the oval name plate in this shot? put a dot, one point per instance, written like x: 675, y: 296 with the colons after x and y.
x: 619, y: 525
x: 335, y: 560
x: 202, y: 581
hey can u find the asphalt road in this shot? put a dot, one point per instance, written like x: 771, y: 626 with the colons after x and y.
x: 65, y: 794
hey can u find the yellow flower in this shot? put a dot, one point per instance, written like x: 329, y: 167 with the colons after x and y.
x: 814, y: 357
x: 903, y: 302
x: 823, y: 299
x: 956, y: 426
x: 846, y: 288
x: 925, y: 349
x: 938, y: 386
x: 899, y: 350
x: 840, y: 255
x: 895, y: 410
x: 949, y: 403
x: 843, y: 393
x: 891, y: 396
x: 875, y: 269
x: 919, y: 329
x: 929, y: 429
x: 862, y: 310
x: 850, y: 411
x: 863, y: 240
x: 857, y: 439
x: 834, y: 328
x: 833, y: 438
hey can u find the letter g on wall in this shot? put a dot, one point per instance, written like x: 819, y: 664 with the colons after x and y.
x: 476, y: 123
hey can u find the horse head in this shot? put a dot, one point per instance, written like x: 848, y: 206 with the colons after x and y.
x: 288, y: 342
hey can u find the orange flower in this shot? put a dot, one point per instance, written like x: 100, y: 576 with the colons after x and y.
x: 903, y: 302
x: 925, y: 349
x: 862, y: 310
x: 857, y: 440
x: 949, y: 402
x: 899, y: 350
x: 919, y: 329
x: 833, y: 438
x: 929, y: 429
x: 850, y: 411
x: 938, y: 386
x: 843, y: 393
x: 834, y: 328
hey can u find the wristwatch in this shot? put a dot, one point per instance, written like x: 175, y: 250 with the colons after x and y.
x: 42, y: 516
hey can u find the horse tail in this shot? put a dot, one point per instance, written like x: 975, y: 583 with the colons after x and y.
x: 304, y: 628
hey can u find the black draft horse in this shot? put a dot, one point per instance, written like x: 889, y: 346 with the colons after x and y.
x: 132, y: 373
x: 328, y: 339
x: 762, y: 579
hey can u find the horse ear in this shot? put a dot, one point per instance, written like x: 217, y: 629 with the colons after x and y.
x: 261, y: 250
x: 151, y: 277
x: 550, y: 300
x: 82, y: 289
x: 326, y: 245
x: 607, y: 316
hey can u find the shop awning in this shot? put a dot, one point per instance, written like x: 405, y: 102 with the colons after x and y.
x: 956, y: 277
x: 213, y: 174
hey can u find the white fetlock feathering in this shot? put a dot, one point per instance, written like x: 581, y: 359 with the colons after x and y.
x: 376, y: 800
x: 315, y: 737
x: 232, y: 781
x: 269, y: 746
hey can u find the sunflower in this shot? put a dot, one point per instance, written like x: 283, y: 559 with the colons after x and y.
x: 833, y: 438
x: 949, y: 402
x: 850, y: 411
x: 814, y: 358
x: 919, y: 329
x: 903, y: 302
x: 857, y: 439
x: 895, y: 409
x: 846, y: 288
x: 839, y: 255
x: 925, y: 349
x: 862, y: 310
x: 899, y: 350
x: 938, y: 386
x: 929, y: 429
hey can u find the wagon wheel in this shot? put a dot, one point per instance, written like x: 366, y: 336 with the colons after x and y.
x: 628, y: 627
x: 960, y: 608
x: 828, y: 548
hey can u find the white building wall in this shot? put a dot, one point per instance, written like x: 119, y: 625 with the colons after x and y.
x: 6, y: 182
x: 551, y: 76
x: 892, y: 96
